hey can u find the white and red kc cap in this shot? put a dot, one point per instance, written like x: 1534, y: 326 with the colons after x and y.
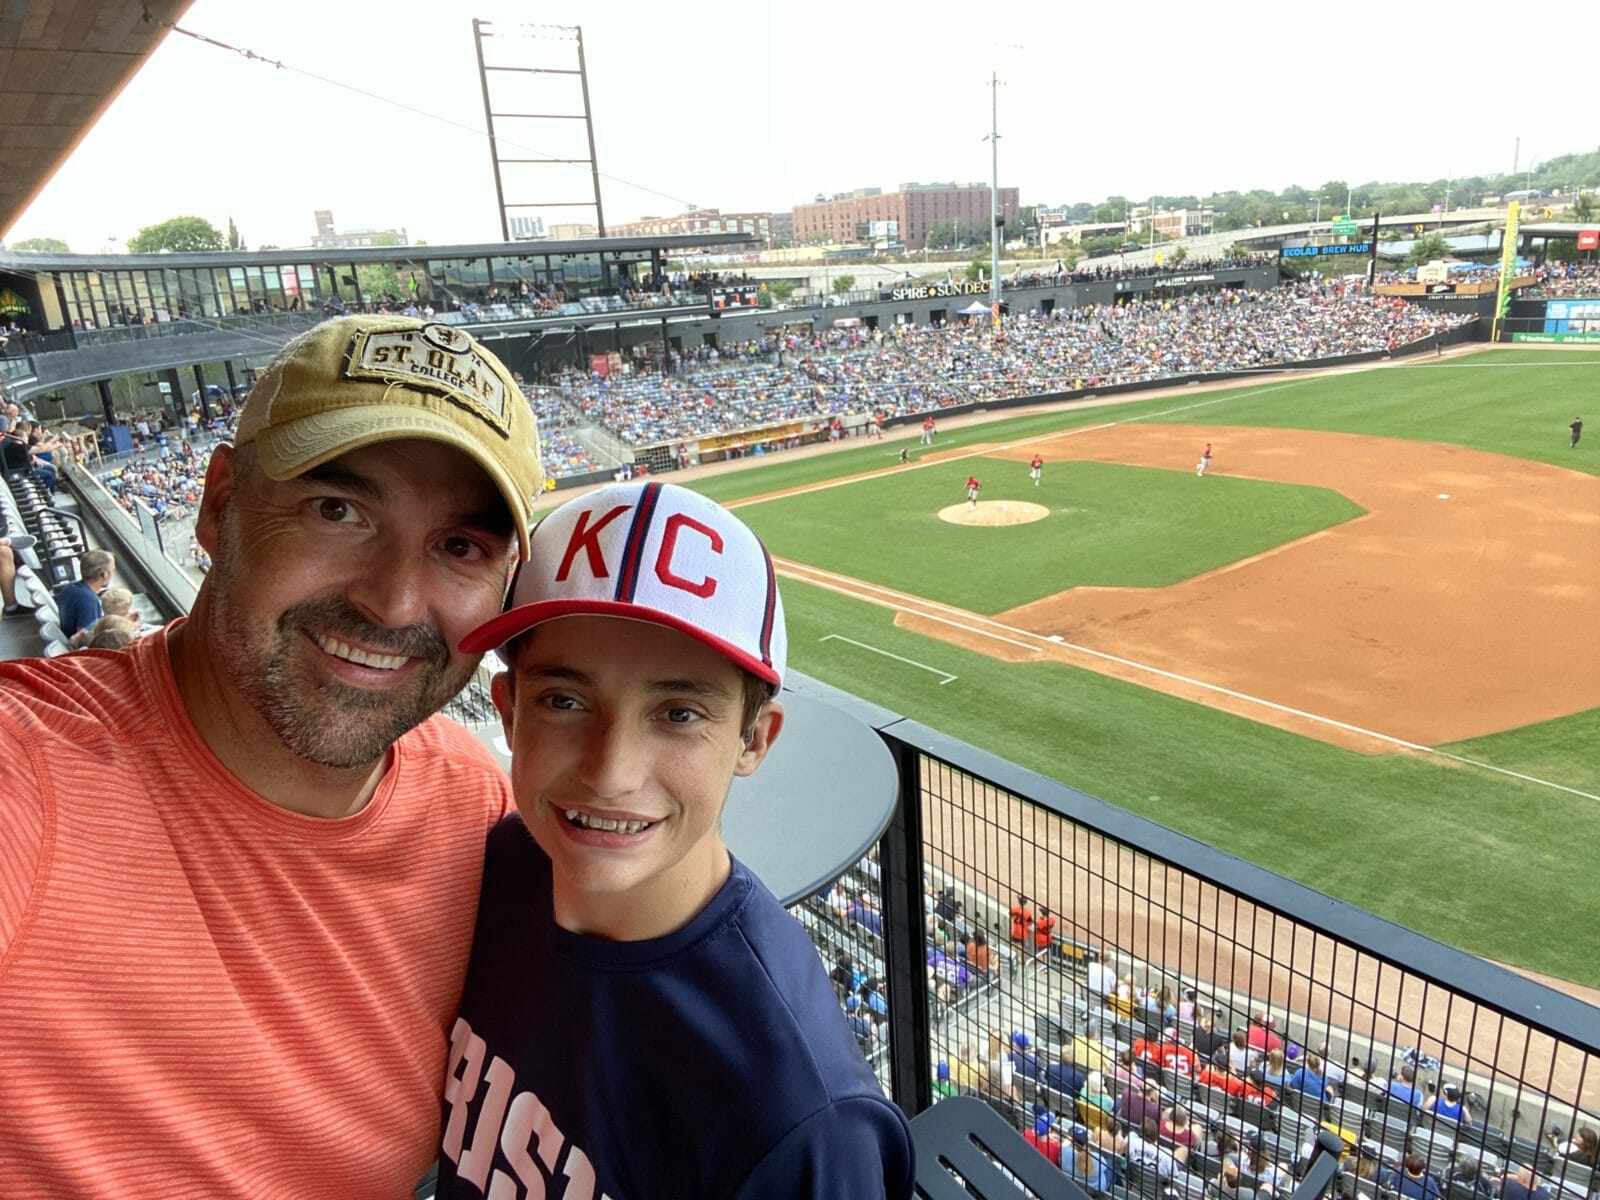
x: 652, y: 552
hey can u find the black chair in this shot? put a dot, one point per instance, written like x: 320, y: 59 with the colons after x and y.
x: 965, y: 1150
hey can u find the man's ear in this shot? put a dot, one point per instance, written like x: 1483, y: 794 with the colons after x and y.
x: 504, y: 701
x: 220, y: 486
x: 763, y: 732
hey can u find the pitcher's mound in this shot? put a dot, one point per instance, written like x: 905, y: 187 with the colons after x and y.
x: 994, y: 512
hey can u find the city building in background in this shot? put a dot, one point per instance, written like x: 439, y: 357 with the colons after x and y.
x: 698, y: 220
x: 1176, y: 223
x: 781, y: 226
x: 329, y: 238
x: 922, y: 212
x: 526, y: 229
x: 573, y: 231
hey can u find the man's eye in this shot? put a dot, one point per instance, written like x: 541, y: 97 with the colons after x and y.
x: 331, y: 508
x: 682, y: 716
x: 562, y: 703
x: 462, y: 548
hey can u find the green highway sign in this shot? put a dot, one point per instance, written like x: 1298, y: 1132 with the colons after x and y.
x: 1345, y: 227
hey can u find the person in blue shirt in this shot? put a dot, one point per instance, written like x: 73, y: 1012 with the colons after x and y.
x: 79, y: 602
x: 641, y: 1017
x: 1411, y: 1179
x: 1448, y: 1104
x: 1023, y: 1059
x: 1065, y: 1076
x: 1404, y: 1087
x: 1311, y: 1078
x: 1080, y: 1162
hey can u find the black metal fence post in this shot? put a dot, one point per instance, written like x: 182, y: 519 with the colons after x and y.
x: 905, y: 938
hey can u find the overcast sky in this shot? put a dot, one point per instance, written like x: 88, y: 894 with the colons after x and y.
x: 751, y: 105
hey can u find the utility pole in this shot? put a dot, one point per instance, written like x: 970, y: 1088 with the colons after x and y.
x: 994, y: 194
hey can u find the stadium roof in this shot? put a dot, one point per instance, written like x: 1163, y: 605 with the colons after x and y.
x: 62, y: 63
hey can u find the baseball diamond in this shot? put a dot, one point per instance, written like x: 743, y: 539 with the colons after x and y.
x: 1413, y: 666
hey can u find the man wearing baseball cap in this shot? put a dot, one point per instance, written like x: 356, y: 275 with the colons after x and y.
x: 640, y: 1012
x: 239, y: 861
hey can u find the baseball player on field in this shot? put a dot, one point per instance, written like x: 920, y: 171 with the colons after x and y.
x: 972, y: 492
x: 1205, y: 460
x: 1034, y: 468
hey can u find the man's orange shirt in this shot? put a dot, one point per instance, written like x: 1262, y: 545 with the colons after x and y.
x: 201, y: 993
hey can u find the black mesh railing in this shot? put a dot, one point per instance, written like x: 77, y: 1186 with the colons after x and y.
x: 1054, y: 956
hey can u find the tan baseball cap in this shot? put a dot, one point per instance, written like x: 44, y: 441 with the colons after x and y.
x: 357, y: 381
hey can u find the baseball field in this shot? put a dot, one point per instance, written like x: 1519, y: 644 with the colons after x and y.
x: 1361, y: 650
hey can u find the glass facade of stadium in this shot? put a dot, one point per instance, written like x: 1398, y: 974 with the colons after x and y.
x: 86, y: 292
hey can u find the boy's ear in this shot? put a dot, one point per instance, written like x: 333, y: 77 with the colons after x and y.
x: 763, y: 732
x: 500, y: 693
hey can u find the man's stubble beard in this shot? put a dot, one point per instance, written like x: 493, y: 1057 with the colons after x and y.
x: 323, y: 721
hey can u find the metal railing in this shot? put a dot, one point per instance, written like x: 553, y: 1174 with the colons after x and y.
x: 1150, y: 909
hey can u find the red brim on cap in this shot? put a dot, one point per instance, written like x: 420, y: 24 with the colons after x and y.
x: 496, y: 632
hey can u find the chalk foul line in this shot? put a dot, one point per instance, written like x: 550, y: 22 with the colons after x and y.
x: 945, y: 614
x: 839, y: 637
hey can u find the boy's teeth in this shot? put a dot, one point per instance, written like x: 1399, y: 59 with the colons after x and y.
x: 606, y: 824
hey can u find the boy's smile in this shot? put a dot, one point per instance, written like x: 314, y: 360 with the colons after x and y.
x: 625, y: 737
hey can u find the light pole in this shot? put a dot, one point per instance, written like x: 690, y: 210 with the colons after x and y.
x: 994, y: 193
x: 1317, y: 220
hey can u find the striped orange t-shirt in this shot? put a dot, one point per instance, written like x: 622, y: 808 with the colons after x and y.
x: 201, y: 993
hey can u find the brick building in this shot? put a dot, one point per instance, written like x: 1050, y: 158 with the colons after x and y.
x: 698, y: 220
x: 915, y: 206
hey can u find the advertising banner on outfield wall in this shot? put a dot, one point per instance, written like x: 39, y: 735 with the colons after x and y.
x: 1546, y: 339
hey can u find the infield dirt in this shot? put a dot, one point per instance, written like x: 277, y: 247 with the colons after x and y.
x: 1456, y: 607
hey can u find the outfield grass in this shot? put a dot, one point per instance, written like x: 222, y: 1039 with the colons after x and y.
x: 1477, y: 859
x: 1515, y: 402
x: 1110, y: 526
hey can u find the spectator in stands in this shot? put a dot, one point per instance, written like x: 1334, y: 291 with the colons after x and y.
x: 1187, y: 1006
x: 1261, y: 1037
x: 8, y: 573
x: 1227, y: 1184
x: 1240, y: 1057
x: 1448, y: 1103
x: 1065, y: 1075
x: 1084, y: 1165
x: 1042, y: 1137
x: 863, y: 910
x: 1333, y: 1072
x: 1208, y: 1039
x: 980, y: 957
x: 1412, y: 1180
x: 1088, y: 1050
x: 278, y: 793
x: 1168, y: 1053
x: 947, y: 907
x: 1001, y: 1070
x: 1273, y: 1069
x: 1101, y: 978
x: 79, y: 602
x: 1520, y: 1183
x: 1094, y: 1092
x: 1178, y: 1128
x: 111, y: 633
x: 1466, y: 1171
x: 1255, y: 1162
x: 116, y: 603
x: 1583, y: 1147
x: 1142, y: 1146
x: 1311, y: 1078
x: 1404, y: 1087
x: 1128, y: 1069
x: 1140, y: 1102
x: 1023, y: 1060
x: 1365, y: 1161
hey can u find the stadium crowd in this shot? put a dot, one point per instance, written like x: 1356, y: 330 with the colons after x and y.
x: 909, y: 370
x: 1156, y: 1086
x: 1560, y: 281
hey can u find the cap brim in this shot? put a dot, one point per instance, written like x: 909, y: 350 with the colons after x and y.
x: 495, y: 633
x: 293, y: 448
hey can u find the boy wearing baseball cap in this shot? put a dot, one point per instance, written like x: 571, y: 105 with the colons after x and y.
x: 641, y: 1017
